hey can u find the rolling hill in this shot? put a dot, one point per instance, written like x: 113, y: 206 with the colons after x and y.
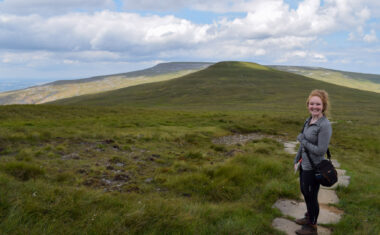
x: 231, y: 85
x: 362, y: 81
x: 69, y: 88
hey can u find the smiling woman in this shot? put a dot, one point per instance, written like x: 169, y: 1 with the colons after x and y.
x: 314, y: 139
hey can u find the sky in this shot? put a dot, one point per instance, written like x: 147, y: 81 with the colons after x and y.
x: 48, y: 40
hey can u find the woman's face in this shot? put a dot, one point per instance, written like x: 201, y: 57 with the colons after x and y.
x: 315, y: 106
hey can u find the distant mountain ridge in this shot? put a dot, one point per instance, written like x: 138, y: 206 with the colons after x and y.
x: 166, y: 71
x: 156, y: 70
x: 361, y: 81
x: 229, y: 86
x: 69, y: 88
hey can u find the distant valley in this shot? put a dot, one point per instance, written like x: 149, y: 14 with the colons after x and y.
x: 70, y: 88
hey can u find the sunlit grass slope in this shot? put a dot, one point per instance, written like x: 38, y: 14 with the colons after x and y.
x: 71, y: 88
x: 148, y: 165
x: 361, y: 81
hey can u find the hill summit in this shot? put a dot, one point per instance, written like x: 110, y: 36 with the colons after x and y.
x: 224, y: 85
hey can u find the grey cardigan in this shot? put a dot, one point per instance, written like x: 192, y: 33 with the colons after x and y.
x: 316, y: 140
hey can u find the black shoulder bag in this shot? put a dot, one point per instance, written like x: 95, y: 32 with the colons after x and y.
x: 324, y: 172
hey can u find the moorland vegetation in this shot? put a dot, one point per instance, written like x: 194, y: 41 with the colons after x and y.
x: 143, y: 160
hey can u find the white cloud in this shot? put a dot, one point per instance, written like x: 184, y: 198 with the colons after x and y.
x: 156, y: 5
x: 373, y: 6
x: 49, y: 7
x: 304, y: 56
x: 24, y: 57
x: 360, y: 35
x: 108, y: 31
x: 351, y: 36
x: 231, y: 50
x: 344, y: 7
x: 70, y: 61
x: 370, y: 37
x: 38, y: 33
x: 318, y: 57
x: 43, y: 59
x: 62, y: 65
x: 274, y: 19
x: 267, y: 21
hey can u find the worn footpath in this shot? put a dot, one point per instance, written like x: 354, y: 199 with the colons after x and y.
x: 296, y: 208
x: 293, y: 209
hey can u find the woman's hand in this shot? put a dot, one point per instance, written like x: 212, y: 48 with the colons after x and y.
x: 297, y: 167
x: 300, y: 137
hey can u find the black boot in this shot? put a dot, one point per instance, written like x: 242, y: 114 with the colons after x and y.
x: 308, y: 229
x: 304, y: 220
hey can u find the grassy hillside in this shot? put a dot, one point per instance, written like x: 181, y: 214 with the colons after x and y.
x: 361, y: 81
x: 70, y: 88
x: 230, y: 85
x: 149, y: 165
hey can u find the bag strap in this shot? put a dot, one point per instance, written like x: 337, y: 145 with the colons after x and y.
x: 307, y: 151
x: 311, y: 161
x: 328, y: 154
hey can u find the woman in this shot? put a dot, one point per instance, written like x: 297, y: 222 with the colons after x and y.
x: 314, y: 140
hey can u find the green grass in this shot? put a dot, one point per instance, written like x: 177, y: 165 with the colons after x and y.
x: 193, y: 187
x: 361, y: 81
x: 152, y: 168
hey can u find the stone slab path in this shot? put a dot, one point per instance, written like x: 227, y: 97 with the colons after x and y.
x: 238, y: 138
x: 327, y: 198
x: 295, y: 209
x: 290, y: 147
x: 289, y: 227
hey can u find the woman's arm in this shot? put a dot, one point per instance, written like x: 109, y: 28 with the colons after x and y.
x: 324, y: 136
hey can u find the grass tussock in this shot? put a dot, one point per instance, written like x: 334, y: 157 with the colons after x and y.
x: 22, y: 170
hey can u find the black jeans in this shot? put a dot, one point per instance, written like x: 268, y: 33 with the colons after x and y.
x: 309, y: 189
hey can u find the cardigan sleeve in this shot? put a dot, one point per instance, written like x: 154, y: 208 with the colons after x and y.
x: 299, y: 152
x: 324, y: 136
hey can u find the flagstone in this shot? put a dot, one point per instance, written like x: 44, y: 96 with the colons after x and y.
x: 289, y: 147
x: 297, y: 210
x: 326, y: 196
x: 289, y: 227
x: 335, y: 163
